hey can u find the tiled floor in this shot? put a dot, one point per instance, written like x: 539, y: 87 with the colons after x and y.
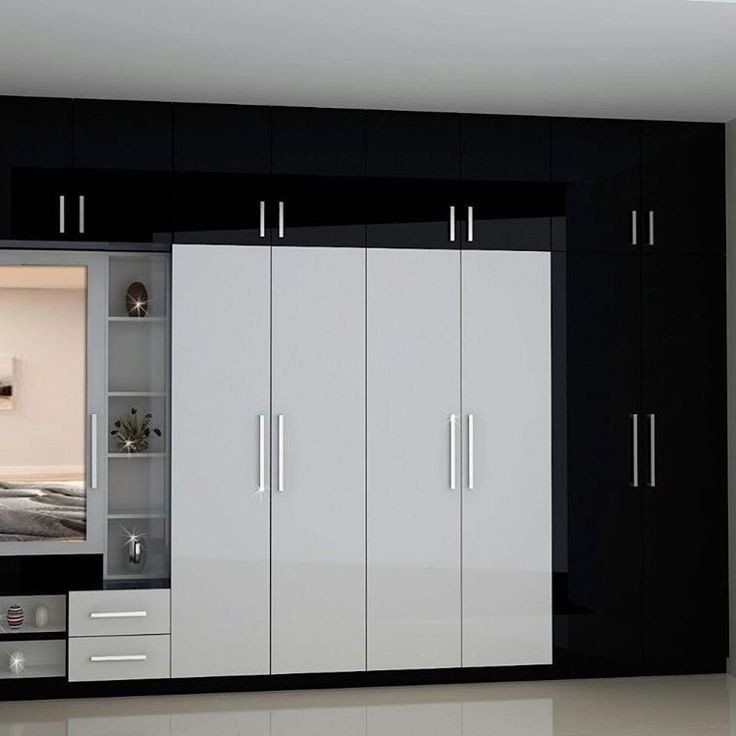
x: 704, y: 705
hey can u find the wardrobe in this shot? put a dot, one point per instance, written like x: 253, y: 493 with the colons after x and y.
x: 374, y: 453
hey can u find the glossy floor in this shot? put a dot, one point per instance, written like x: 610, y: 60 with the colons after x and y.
x: 703, y: 705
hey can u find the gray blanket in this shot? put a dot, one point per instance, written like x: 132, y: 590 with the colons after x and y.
x: 48, y: 511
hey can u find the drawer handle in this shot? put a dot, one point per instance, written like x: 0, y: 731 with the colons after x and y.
x: 119, y: 658
x: 118, y: 614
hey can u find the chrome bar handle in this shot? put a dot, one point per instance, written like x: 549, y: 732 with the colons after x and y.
x: 93, y: 451
x: 635, y: 449
x: 452, y: 223
x: 62, y: 214
x: 634, y: 227
x: 118, y: 614
x: 280, y: 479
x: 261, y: 453
x: 470, y: 223
x: 262, y: 220
x: 471, y: 452
x: 652, y: 451
x: 651, y: 227
x: 453, y: 448
x: 281, y: 219
x: 119, y: 658
x: 81, y: 214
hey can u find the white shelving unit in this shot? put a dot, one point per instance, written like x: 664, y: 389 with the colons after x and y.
x: 138, y: 377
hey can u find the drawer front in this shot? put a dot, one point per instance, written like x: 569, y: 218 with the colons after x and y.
x: 119, y: 612
x: 118, y: 658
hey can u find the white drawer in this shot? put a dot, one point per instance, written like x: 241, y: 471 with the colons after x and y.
x: 119, y: 612
x: 118, y: 658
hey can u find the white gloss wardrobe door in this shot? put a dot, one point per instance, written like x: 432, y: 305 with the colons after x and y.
x: 413, y: 510
x: 507, y: 566
x: 318, y: 511
x: 220, y: 514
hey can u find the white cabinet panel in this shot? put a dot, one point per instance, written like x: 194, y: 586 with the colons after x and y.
x: 220, y: 519
x: 413, y: 358
x: 318, y: 514
x: 507, y: 571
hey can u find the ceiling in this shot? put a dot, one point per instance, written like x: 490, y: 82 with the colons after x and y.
x: 659, y: 59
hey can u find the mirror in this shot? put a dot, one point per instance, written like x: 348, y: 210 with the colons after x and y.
x: 43, y: 319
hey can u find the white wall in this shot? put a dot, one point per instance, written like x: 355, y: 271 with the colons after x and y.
x: 731, y: 317
x: 44, y: 329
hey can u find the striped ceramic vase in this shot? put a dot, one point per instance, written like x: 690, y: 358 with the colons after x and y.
x: 15, y: 616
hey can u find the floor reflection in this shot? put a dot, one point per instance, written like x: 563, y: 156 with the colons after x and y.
x: 702, y: 705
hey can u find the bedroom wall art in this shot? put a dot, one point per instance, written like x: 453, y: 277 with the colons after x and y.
x: 7, y: 383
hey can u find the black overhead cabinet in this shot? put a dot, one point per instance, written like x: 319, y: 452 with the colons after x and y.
x: 284, y: 176
x: 35, y: 153
x: 111, y: 178
x: 413, y: 166
x: 646, y: 428
x: 639, y: 186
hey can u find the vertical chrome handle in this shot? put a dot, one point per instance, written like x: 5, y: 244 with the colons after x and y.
x: 470, y: 223
x: 452, y: 223
x: 280, y: 480
x: 262, y: 221
x: 281, y: 219
x: 81, y: 214
x: 652, y: 451
x: 261, y: 453
x: 471, y: 452
x: 93, y: 451
x: 453, y: 447
x: 635, y: 450
x: 634, y: 227
x: 62, y: 214
x: 651, y: 227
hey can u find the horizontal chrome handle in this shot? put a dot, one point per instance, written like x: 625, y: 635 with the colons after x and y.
x: 118, y: 658
x: 118, y: 614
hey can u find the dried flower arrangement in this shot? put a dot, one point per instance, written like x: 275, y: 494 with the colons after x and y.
x: 132, y: 432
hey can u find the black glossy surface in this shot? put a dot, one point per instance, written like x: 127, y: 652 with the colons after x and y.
x: 683, y: 171
x: 234, y: 139
x: 49, y: 574
x: 318, y: 142
x: 685, y: 514
x: 598, y: 163
x: 604, y: 560
x: 34, y: 132
x: 505, y: 148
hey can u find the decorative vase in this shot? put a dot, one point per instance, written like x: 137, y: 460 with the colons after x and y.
x: 16, y: 662
x: 137, y: 554
x: 42, y: 616
x: 15, y: 616
x: 136, y: 300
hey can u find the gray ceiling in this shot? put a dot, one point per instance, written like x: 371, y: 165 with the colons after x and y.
x: 671, y: 59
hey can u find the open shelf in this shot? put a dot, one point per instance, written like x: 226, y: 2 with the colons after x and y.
x: 137, y: 455
x: 138, y: 515
x: 35, y: 670
x: 141, y: 320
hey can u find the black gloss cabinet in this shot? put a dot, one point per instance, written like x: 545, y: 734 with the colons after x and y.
x: 634, y: 215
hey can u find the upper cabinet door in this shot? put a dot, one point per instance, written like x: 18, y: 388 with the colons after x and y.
x: 683, y: 187
x: 222, y: 158
x: 122, y: 161
x: 413, y: 168
x: 414, y: 468
x: 507, y: 440
x: 684, y: 473
x: 597, y: 163
x: 507, y: 196
x: 318, y: 167
x: 35, y: 147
